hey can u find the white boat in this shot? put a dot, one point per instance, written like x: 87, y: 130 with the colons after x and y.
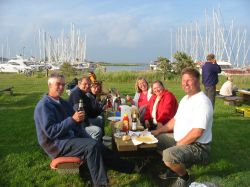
x: 89, y: 66
x: 16, y: 65
x: 154, y: 65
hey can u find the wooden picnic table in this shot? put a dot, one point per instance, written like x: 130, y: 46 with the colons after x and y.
x: 245, y: 95
x: 128, y: 146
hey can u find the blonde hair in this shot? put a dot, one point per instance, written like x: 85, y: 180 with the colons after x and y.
x: 137, y: 84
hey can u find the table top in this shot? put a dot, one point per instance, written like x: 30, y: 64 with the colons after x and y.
x: 244, y: 92
x: 128, y: 145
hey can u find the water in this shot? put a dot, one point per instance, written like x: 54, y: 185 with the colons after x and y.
x: 141, y: 67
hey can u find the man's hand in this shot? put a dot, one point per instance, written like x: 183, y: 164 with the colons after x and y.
x: 79, y: 116
x: 155, y: 132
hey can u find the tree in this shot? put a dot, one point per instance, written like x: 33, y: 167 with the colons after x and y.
x: 182, y: 60
x: 164, y: 67
x: 67, y: 69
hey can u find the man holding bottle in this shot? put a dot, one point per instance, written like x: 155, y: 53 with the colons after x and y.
x: 60, y: 133
x: 79, y: 93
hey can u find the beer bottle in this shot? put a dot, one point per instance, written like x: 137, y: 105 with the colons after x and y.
x: 134, y: 122
x: 80, y: 106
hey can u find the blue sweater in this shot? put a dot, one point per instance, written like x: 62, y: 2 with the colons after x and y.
x: 54, y: 125
x: 210, y: 74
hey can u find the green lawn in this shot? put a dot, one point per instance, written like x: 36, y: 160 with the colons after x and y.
x: 23, y: 163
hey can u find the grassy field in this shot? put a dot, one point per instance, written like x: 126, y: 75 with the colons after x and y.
x: 23, y: 163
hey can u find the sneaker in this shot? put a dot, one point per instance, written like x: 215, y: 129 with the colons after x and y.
x: 182, y: 183
x: 168, y: 174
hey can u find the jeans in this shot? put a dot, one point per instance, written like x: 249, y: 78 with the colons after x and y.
x: 210, y: 91
x: 98, y: 157
x: 95, y: 132
x: 89, y: 150
x: 98, y: 121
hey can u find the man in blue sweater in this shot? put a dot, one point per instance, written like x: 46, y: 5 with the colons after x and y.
x: 60, y: 133
x: 210, y: 72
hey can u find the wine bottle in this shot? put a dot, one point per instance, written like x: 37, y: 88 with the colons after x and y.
x: 134, y: 122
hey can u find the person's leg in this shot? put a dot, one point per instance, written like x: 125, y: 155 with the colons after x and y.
x: 89, y: 150
x: 113, y: 161
x: 98, y: 121
x: 211, y: 93
x: 95, y: 132
x: 178, y: 158
x: 165, y: 140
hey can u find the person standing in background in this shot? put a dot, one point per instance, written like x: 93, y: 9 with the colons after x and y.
x: 210, y: 71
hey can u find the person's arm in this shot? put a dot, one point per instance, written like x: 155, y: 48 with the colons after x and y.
x: 169, y: 127
x: 136, y: 98
x: 47, y: 117
x: 191, y: 137
x: 216, y: 68
x: 166, y: 108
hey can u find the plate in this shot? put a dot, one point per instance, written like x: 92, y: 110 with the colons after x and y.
x: 114, y: 118
x: 146, y: 139
x: 119, y: 134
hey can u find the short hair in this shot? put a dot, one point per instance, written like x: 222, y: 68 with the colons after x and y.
x: 159, y: 82
x: 137, y: 84
x: 54, y: 76
x: 210, y: 57
x: 83, y: 77
x: 191, y: 71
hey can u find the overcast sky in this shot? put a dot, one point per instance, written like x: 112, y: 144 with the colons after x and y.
x: 117, y: 31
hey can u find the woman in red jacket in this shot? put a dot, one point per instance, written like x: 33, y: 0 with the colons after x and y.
x: 161, y: 108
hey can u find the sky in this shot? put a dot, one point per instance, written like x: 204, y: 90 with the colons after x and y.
x: 117, y: 31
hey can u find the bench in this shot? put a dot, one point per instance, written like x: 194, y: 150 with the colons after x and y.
x: 233, y: 101
x: 66, y: 165
x: 8, y: 90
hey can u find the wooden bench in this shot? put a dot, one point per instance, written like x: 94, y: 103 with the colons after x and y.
x: 66, y: 165
x: 234, y: 100
x: 8, y: 90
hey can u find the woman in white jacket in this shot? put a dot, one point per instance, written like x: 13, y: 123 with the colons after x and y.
x: 142, y: 96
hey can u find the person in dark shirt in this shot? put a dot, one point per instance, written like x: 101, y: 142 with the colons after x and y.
x: 79, y: 92
x: 96, y: 116
x: 210, y: 71
x: 60, y: 133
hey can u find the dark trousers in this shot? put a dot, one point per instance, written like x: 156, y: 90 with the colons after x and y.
x: 97, y: 157
x: 210, y: 91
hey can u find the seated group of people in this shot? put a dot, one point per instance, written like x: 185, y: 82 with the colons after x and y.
x: 184, y: 131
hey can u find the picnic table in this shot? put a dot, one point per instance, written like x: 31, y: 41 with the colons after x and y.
x: 128, y: 148
x: 245, y: 95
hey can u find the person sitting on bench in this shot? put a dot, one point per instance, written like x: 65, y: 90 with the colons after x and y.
x: 60, y: 134
x: 228, y: 89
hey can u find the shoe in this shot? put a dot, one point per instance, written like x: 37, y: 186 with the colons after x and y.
x: 168, y: 174
x: 182, y: 183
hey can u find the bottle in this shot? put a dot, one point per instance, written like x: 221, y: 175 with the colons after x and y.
x: 116, y: 104
x: 80, y: 106
x: 125, y: 120
x: 134, y: 122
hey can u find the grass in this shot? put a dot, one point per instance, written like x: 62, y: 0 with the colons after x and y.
x: 23, y: 162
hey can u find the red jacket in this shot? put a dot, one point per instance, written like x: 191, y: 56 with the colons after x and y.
x: 165, y: 109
